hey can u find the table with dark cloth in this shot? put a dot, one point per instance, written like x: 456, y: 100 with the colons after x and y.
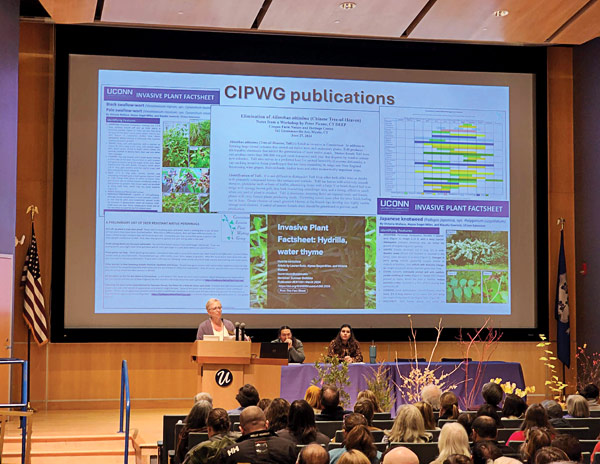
x: 296, y: 378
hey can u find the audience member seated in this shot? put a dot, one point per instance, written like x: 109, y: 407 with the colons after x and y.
x: 570, y: 445
x: 313, y: 454
x: 301, y: 428
x: 449, y: 406
x: 368, y: 394
x: 535, y: 416
x: 354, y: 457
x: 465, y: 419
x: 492, y: 394
x: 427, y: 413
x: 344, y: 346
x: 409, y: 427
x: 536, y: 438
x: 453, y: 440
x: 485, y: 429
x: 555, y: 414
x: 484, y: 451
x: 491, y: 411
x: 203, y: 396
x: 330, y: 401
x: 549, y: 454
x: 295, y: 347
x: 590, y: 392
x: 219, y: 438
x: 277, y: 414
x: 431, y: 394
x: 514, y: 407
x: 358, y: 438
x: 400, y: 455
x: 313, y: 397
x: 264, y: 403
x: 365, y: 407
x: 577, y: 406
x: 247, y: 396
x: 257, y: 443
x: 457, y: 459
x: 195, y: 421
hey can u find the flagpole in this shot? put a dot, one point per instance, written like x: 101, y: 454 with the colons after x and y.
x: 33, y: 210
x: 561, y: 222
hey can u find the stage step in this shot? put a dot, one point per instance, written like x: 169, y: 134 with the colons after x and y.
x: 92, y: 449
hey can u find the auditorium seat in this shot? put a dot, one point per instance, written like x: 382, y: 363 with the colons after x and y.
x: 435, y: 434
x: 456, y: 360
x: 169, y: 421
x: 592, y: 422
x: 195, y: 438
x: 233, y: 418
x: 582, y: 433
x: 516, y: 444
x: 588, y: 445
x: 504, y: 433
x: 426, y: 452
x: 329, y: 427
x: 333, y: 445
x: 382, y: 416
x: 511, y: 423
x: 377, y: 435
x: 383, y: 424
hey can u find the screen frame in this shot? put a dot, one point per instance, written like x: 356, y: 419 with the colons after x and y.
x: 290, y: 49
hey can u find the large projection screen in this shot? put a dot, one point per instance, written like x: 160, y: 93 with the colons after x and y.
x: 296, y: 194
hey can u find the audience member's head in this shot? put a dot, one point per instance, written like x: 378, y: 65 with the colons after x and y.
x: 452, y: 440
x: 330, y: 397
x: 301, y: 422
x: 536, y: 416
x: 252, y: 419
x: 427, y: 413
x: 484, y: 428
x: 431, y: 394
x: 400, y: 455
x: 578, y: 406
x: 409, y: 426
x: 217, y: 422
x: 196, y: 418
x: 590, y: 392
x: 548, y: 454
x: 247, y: 396
x: 490, y: 411
x: 457, y: 459
x: 466, y: 420
x: 570, y: 445
x: 277, y: 414
x: 361, y: 439
x: 507, y: 460
x: 368, y: 394
x: 365, y: 407
x: 353, y: 457
x: 313, y: 397
x: 313, y: 454
x: 352, y: 420
x: 203, y: 396
x: 448, y: 406
x: 553, y: 409
x: 264, y: 403
x: 535, y: 439
x: 514, y: 406
x: 492, y: 393
x: 483, y: 451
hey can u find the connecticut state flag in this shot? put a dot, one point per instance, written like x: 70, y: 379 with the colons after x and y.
x: 561, y: 309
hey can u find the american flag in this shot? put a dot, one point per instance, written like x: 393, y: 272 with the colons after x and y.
x: 34, y: 310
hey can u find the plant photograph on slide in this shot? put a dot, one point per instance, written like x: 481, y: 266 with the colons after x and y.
x: 175, y: 145
x: 495, y: 287
x: 477, y: 249
x: 463, y: 287
x: 258, y: 260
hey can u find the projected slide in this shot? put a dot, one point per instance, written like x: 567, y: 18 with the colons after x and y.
x: 301, y: 195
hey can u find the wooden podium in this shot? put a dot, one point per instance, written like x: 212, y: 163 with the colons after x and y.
x: 237, y: 358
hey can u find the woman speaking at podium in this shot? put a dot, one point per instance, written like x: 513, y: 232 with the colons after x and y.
x: 215, y: 325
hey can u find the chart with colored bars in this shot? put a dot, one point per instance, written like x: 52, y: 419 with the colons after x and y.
x: 432, y: 153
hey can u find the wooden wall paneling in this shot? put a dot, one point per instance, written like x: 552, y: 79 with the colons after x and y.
x: 582, y: 28
x: 561, y: 188
x: 71, y: 11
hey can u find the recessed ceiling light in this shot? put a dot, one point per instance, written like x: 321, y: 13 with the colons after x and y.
x: 180, y: 12
x: 500, y: 13
x: 347, y: 5
x: 337, y: 21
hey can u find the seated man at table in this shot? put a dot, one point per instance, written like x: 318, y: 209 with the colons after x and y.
x: 295, y: 347
x: 258, y: 443
x: 330, y: 400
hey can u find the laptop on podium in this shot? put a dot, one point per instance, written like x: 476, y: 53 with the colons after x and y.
x: 274, y: 350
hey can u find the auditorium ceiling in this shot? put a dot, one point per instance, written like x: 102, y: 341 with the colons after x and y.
x: 531, y: 22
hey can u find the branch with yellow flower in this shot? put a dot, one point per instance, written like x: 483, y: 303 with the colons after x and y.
x: 553, y: 384
x: 511, y: 388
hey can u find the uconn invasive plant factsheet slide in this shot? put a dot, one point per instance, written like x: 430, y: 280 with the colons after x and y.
x: 301, y: 195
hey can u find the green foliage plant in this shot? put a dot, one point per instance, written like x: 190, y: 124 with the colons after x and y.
x: 258, y: 261
x: 200, y: 133
x: 200, y: 158
x: 180, y: 203
x: 477, y: 249
x: 175, y: 147
x: 464, y: 287
x: 495, y: 288
x: 333, y: 371
x: 370, y: 261
x: 379, y: 383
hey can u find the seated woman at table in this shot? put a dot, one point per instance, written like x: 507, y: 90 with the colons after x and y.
x: 345, y: 346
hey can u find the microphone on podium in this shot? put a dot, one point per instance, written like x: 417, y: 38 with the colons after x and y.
x: 237, y: 331
x: 242, y: 331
